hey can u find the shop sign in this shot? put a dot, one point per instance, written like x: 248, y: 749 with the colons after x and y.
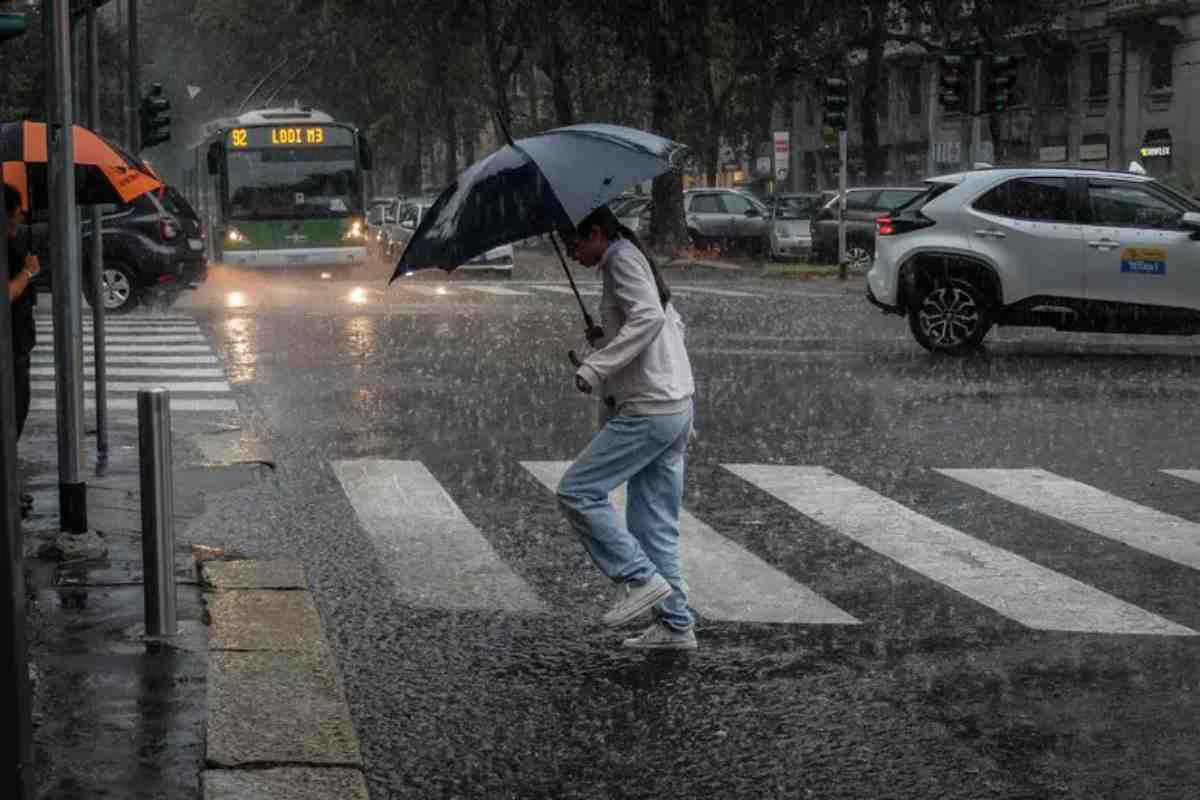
x: 1056, y: 152
x: 1156, y: 151
x: 1093, y: 152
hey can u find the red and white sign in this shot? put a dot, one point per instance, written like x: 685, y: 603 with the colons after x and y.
x: 783, y: 153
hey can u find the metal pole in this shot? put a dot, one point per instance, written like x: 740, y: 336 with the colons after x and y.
x: 66, y: 284
x: 977, y: 116
x: 135, y: 90
x: 97, y: 256
x: 16, y: 709
x: 843, y: 147
x: 158, y: 510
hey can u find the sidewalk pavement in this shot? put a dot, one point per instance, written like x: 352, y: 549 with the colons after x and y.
x: 244, y: 702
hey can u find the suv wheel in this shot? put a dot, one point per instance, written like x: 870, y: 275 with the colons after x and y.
x: 950, y: 318
x: 121, y: 292
x: 858, y: 257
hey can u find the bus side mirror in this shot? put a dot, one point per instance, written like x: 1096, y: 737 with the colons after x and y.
x: 214, y: 158
x: 364, y: 152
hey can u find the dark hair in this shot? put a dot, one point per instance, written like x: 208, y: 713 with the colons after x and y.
x: 12, y: 199
x: 604, y: 219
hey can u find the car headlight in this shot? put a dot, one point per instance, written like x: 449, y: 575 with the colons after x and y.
x: 234, y: 236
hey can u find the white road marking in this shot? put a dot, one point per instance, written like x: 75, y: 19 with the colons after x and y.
x: 567, y: 290
x: 1192, y: 475
x: 1164, y: 535
x: 1012, y: 586
x: 44, y: 356
x: 149, y: 348
x: 726, y: 581
x: 497, y: 290
x: 436, y: 556
x: 130, y: 404
x: 428, y: 291
x: 197, y: 387
x: 111, y: 338
x: 138, y: 372
x: 706, y: 290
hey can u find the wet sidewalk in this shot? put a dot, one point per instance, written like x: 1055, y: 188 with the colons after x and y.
x: 116, y: 714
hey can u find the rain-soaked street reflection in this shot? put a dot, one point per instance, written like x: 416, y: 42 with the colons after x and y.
x: 938, y: 688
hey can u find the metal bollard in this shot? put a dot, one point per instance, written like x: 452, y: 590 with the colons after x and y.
x: 158, y: 510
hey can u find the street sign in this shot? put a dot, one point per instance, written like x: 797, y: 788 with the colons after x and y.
x: 783, y: 153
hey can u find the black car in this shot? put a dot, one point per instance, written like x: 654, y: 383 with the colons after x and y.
x: 153, y: 250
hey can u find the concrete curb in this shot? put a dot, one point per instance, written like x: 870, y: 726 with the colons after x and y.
x: 279, y: 726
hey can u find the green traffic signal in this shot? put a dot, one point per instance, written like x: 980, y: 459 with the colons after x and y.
x: 155, y: 123
x: 12, y: 24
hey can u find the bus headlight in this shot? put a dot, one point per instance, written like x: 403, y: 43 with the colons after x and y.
x: 356, y: 231
x: 234, y: 236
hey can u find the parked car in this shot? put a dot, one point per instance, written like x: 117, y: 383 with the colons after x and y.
x: 863, y: 205
x: 153, y: 250
x: 408, y: 218
x: 635, y: 214
x: 790, y: 228
x: 376, y: 214
x: 1072, y: 249
x: 725, y: 216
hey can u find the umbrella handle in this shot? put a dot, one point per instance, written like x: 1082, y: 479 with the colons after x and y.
x: 587, y: 318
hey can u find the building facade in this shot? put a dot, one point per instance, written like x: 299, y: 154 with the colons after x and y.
x: 1111, y: 82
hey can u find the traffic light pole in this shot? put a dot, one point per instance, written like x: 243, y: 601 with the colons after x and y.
x: 843, y: 148
x: 134, y: 96
x: 65, y: 283
x: 99, y: 356
x: 977, y: 117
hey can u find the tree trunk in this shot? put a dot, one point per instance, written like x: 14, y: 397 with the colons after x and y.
x: 874, y: 157
x: 561, y: 91
x: 712, y: 163
x: 451, y: 138
x: 668, y: 231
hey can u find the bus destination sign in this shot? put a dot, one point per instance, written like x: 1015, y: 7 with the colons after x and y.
x: 285, y: 136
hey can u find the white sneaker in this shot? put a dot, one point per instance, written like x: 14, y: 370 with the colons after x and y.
x: 637, y: 601
x: 661, y: 637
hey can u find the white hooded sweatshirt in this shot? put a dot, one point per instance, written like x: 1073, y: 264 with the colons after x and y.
x: 641, y: 362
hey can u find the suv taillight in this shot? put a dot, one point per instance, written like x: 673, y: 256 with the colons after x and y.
x: 169, y: 229
x: 889, y: 225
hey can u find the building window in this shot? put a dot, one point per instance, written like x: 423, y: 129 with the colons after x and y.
x: 1054, y: 81
x: 810, y: 103
x: 1161, y: 68
x: 912, y: 81
x: 1098, y: 71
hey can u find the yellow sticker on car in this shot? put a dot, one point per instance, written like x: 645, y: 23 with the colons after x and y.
x: 1144, y: 260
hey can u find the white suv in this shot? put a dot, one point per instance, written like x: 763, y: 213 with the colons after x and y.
x: 1072, y: 249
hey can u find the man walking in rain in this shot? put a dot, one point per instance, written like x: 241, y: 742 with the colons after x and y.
x: 642, y: 364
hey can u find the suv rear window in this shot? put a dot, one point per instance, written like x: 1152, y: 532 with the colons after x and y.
x: 892, y: 199
x: 922, y: 199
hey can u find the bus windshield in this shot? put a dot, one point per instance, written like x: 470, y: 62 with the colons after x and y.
x: 293, y: 183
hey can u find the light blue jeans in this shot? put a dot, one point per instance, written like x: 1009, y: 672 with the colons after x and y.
x: 649, y: 454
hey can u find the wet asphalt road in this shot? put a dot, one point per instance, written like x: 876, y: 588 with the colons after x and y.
x: 932, y: 695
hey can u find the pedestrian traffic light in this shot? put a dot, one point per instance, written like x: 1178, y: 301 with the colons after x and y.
x: 154, y: 121
x: 837, y: 100
x: 1002, y: 79
x: 12, y: 24
x: 950, y: 91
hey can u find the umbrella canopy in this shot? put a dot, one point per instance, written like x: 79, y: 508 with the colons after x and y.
x: 534, y: 186
x: 104, y: 173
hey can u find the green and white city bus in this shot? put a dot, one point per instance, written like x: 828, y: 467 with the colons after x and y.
x: 283, y: 187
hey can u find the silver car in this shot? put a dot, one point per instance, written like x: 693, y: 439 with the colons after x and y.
x: 725, y: 216
x: 790, y: 231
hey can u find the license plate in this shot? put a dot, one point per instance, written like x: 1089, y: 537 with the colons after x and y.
x: 196, y: 244
x: 297, y: 259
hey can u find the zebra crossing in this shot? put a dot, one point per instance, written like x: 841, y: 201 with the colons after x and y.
x: 143, y: 351
x: 441, y: 559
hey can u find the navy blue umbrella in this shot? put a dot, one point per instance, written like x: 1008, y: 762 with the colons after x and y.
x: 534, y: 186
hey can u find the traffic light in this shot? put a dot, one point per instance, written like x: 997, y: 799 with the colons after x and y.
x: 154, y: 121
x: 837, y: 100
x: 951, y: 84
x: 12, y: 24
x: 1002, y: 79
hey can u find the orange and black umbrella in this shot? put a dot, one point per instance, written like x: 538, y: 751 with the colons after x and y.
x: 104, y: 173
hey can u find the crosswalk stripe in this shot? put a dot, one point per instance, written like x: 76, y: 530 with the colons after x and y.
x: 705, y: 290
x: 498, y: 290
x: 146, y: 372
x: 111, y: 338
x: 86, y: 322
x: 130, y: 404
x: 726, y: 581
x: 197, y: 387
x: 436, y: 556
x: 47, y: 357
x: 567, y: 290
x: 150, y: 348
x: 1164, y: 535
x: 1010, y: 585
x: 1192, y: 475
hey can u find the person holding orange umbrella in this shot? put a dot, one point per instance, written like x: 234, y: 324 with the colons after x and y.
x: 22, y: 267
